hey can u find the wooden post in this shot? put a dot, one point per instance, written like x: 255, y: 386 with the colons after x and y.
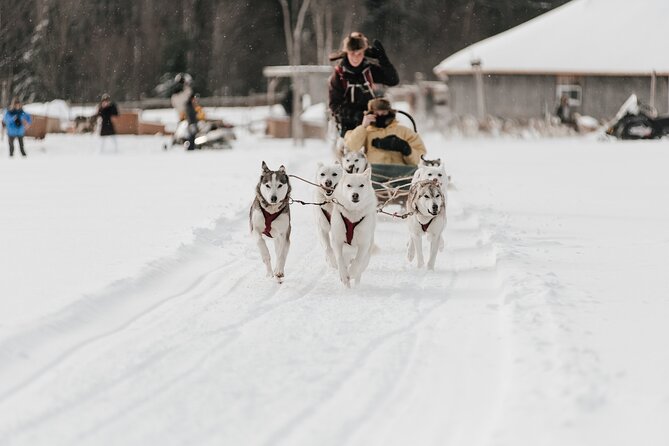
x: 653, y: 81
x: 478, y: 79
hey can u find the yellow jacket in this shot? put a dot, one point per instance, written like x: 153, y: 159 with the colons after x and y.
x: 363, y: 136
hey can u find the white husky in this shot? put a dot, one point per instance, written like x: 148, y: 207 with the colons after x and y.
x: 270, y: 217
x: 353, y: 224
x: 427, y: 201
x: 327, y: 177
x: 354, y: 161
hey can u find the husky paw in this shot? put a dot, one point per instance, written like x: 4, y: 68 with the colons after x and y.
x: 278, y: 277
x: 346, y: 280
x: 430, y: 266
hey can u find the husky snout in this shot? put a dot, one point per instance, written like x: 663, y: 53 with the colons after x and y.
x: 328, y: 183
x: 273, y: 198
x: 355, y: 197
x: 435, y: 209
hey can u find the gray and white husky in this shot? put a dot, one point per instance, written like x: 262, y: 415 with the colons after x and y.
x: 327, y: 176
x: 427, y: 201
x: 354, y: 161
x: 352, y: 225
x: 270, y: 217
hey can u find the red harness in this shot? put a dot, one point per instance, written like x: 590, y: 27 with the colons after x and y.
x: 327, y: 215
x: 350, y: 227
x: 269, y: 218
x: 426, y: 225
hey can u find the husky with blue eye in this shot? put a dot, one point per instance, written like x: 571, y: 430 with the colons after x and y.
x: 269, y: 217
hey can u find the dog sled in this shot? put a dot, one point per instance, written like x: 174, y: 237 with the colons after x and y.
x: 392, y: 181
x: 636, y: 120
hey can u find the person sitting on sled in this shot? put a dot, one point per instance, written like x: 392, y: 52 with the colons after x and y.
x: 353, y: 80
x: 384, y: 139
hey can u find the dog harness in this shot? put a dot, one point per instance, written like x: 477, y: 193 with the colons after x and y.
x: 366, y: 75
x: 350, y: 226
x: 327, y: 214
x: 269, y: 218
x: 426, y: 225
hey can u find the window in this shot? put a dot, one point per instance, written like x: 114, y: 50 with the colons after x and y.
x: 573, y: 92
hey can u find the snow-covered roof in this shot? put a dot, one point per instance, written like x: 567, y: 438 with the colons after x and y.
x: 606, y: 37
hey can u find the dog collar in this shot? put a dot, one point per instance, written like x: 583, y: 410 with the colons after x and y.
x: 426, y: 225
x: 350, y: 227
x: 269, y: 218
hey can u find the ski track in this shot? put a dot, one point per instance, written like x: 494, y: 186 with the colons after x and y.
x: 170, y: 344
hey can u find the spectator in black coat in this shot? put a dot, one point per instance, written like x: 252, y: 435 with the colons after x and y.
x: 352, y: 83
x: 106, y: 110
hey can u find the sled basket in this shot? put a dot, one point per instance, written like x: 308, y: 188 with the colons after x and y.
x: 392, y: 182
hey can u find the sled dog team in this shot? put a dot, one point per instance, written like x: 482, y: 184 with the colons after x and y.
x: 345, y: 214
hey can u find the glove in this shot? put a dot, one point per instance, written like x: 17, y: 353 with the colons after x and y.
x: 377, y: 51
x: 392, y: 143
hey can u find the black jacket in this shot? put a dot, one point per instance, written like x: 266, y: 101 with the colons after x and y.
x: 107, y: 127
x: 350, y: 88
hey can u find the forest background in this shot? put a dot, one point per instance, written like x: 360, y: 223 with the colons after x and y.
x: 77, y: 49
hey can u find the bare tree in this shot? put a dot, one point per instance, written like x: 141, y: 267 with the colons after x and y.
x: 293, y: 35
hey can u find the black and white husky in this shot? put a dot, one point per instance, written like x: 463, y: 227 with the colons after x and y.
x: 354, y: 161
x: 352, y: 225
x: 327, y: 177
x: 270, y: 217
x: 427, y: 202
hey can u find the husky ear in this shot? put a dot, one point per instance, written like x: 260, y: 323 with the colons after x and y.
x: 319, y: 165
x: 338, y: 163
x: 368, y: 173
x: 264, y: 167
x: 282, y: 169
x: 363, y: 150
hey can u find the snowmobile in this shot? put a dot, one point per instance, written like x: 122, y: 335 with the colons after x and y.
x: 210, y: 135
x: 635, y: 120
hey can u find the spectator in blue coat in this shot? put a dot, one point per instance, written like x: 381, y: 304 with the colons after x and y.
x: 17, y: 121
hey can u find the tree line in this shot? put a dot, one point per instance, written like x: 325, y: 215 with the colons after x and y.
x: 77, y: 49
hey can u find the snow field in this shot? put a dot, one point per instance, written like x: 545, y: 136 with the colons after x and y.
x: 537, y: 326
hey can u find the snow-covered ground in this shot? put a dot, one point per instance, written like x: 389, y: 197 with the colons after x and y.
x: 134, y: 308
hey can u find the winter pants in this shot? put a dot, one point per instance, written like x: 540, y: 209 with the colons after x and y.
x: 11, y: 145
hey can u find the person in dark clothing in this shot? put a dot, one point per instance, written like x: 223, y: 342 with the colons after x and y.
x: 191, y: 115
x: 105, y: 111
x: 352, y: 83
x: 564, y: 111
x: 17, y: 121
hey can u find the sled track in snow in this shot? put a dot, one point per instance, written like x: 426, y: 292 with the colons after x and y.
x: 182, y: 330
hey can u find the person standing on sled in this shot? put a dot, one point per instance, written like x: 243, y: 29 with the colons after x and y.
x: 194, y: 114
x: 352, y: 82
x: 385, y: 141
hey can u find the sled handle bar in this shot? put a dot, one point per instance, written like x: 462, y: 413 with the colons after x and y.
x: 410, y: 119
